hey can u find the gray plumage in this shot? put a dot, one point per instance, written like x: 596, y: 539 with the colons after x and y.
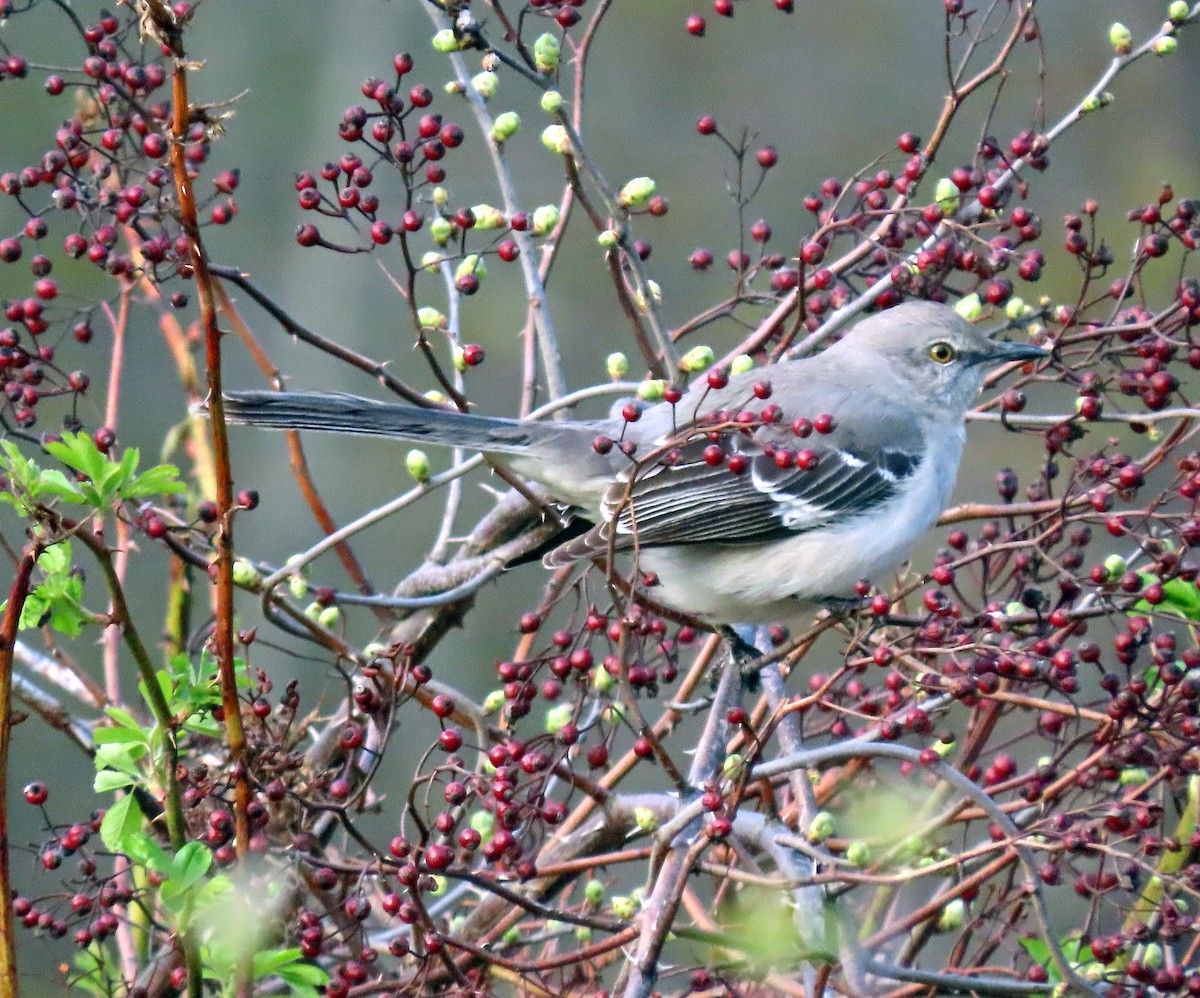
x: 762, y: 542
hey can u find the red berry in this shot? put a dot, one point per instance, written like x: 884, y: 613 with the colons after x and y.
x: 767, y: 157
x: 696, y: 25
x: 36, y: 793
x: 706, y: 125
x: 472, y: 354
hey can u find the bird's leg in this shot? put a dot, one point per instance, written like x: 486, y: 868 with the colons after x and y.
x: 745, y: 655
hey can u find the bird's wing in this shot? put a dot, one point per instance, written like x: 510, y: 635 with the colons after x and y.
x: 687, y: 500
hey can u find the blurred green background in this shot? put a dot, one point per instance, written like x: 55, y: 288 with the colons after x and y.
x: 830, y: 86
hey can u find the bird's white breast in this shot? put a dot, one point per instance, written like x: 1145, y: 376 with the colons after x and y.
x: 746, y: 583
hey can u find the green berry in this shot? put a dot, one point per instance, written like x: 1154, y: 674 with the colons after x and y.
x: 506, y: 126
x: 617, y: 365
x: 487, y: 217
x: 471, y: 264
x: 609, y: 239
x: 417, y: 464
x: 651, y: 390
x: 329, y: 617
x: 545, y: 219
x: 431, y: 318
x: 440, y: 230
x: 858, y: 853
x: 557, y: 716
x: 547, y: 51
x: 645, y: 819
x: 486, y: 84
x: 1178, y: 11
x: 945, y: 193
x: 555, y: 138
x: 637, y: 192
x: 1165, y: 45
x: 445, y: 41
x: 622, y: 906
x: 952, y: 916
x: 552, y: 102
x: 820, y: 828
x: 484, y: 823
x: 742, y: 363
x: 245, y: 574
x: 969, y: 307
x: 593, y: 892
x: 697, y: 359
x: 1120, y: 37
x: 1114, y: 566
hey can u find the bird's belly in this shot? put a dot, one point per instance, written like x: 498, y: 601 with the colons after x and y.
x: 781, y: 580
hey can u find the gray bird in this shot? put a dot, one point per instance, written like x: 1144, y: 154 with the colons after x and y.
x: 748, y: 525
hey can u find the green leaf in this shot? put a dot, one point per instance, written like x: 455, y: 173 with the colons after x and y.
x: 56, y: 559
x: 56, y: 483
x: 190, y: 864
x: 144, y: 850
x: 108, y: 780
x: 159, y: 480
x: 121, y: 756
x: 124, y: 719
x: 120, y: 821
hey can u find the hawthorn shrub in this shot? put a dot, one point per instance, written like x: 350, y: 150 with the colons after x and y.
x: 984, y: 780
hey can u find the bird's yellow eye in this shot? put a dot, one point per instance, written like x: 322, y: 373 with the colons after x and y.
x: 942, y: 352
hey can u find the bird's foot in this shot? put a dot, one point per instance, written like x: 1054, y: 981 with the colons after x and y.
x: 745, y: 655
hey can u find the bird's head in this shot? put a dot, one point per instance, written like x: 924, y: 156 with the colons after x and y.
x: 931, y: 351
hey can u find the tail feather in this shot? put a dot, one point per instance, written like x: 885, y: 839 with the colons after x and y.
x: 337, y: 413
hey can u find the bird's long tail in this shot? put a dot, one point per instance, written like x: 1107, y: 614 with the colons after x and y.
x: 337, y: 413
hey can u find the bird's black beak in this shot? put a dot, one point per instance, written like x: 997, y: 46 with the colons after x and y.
x: 1003, y: 352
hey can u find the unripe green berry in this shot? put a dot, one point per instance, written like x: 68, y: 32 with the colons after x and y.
x: 545, y: 219
x: 471, y: 264
x: 697, y: 359
x: 417, y: 464
x: 431, y: 260
x: 651, y: 390
x: 637, y: 192
x: 487, y: 217
x: 552, y: 102
x: 593, y: 892
x: 645, y: 819
x: 602, y: 682
x: 557, y: 716
x: 1114, y: 566
x: 655, y: 295
x: 820, y: 828
x: 617, y: 365
x: 945, y: 193
x: 547, y: 51
x: 245, y: 574
x: 1016, y: 309
x: 313, y: 611
x: 486, y: 84
x: 952, y: 916
x: 1165, y: 45
x: 494, y: 701
x: 622, y: 906
x: 1120, y: 37
x: 1090, y: 103
x: 1178, y: 11
x: 440, y: 230
x: 506, y: 126
x: 742, y: 363
x: 297, y: 586
x: 555, y: 138
x: 445, y: 41
x: 969, y: 307
x: 609, y: 239
x: 858, y: 853
x: 434, y: 396
x: 431, y: 318
x: 329, y: 617
x: 441, y: 197
x: 484, y: 823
